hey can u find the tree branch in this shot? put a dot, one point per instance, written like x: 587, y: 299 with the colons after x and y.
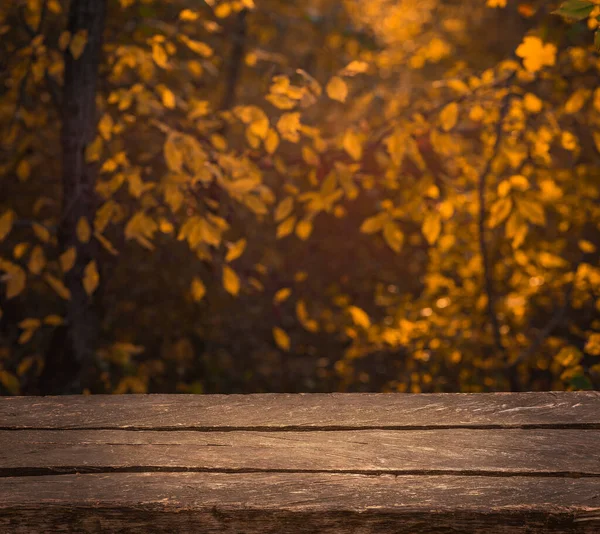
x: 487, y: 267
x: 235, y: 61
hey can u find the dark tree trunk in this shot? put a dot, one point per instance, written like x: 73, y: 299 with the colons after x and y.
x: 70, y: 362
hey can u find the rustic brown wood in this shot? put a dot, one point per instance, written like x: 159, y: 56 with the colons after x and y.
x: 301, y: 463
x: 458, y: 451
x: 297, y: 503
x: 297, y: 412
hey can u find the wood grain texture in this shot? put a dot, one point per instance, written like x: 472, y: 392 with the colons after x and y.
x: 303, y: 412
x: 339, y: 463
x: 459, y: 451
x: 297, y: 503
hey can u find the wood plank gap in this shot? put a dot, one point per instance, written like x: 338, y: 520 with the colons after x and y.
x: 15, y: 472
x: 298, y: 428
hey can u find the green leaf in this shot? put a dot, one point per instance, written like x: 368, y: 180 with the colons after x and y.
x: 581, y: 382
x: 575, y: 9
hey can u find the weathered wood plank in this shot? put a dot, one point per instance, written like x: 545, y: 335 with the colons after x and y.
x: 314, y: 411
x: 460, y: 451
x: 297, y: 503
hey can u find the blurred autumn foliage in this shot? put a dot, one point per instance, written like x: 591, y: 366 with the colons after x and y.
x: 244, y: 196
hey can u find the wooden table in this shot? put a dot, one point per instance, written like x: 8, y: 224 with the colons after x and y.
x: 323, y: 463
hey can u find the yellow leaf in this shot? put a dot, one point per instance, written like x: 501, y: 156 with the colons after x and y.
x: 10, y: 382
x: 91, y: 278
x: 94, y: 150
x: 569, y: 356
x: 159, y: 55
x: 202, y: 49
x: 432, y: 226
x: 281, y: 338
x: 58, y: 286
x: 30, y: 324
x: 449, y: 116
x: 359, y: 316
x: 23, y: 170
x: 286, y: 227
x: 83, y: 230
x: 64, y: 40
x: 550, y: 261
x: 173, y: 155
x: 337, y: 89
x: 477, y: 113
x: 219, y: 142
x: 15, y: 281
x: 67, y: 259
x: 19, y: 250
x: 77, y: 44
x: 499, y: 211
x: 577, y: 100
x: 433, y: 191
x: 272, y: 141
x: 168, y: 98
x: 531, y: 211
x: 569, y: 141
x: 245, y: 185
x: 504, y: 188
x: 596, y: 136
x: 310, y: 156
x: 284, y: 208
x: 209, y: 233
x: 352, y: 144
x: 255, y: 204
x: 141, y: 227
x: 6, y: 223
x: 37, y: 260
x: 586, y: 246
x: 355, y: 67
x: 446, y: 209
x: 231, y: 281
x: 532, y: 103
x: 288, y: 126
x: 520, y: 182
x: 281, y: 101
x: 282, y: 295
x: 374, y: 224
x: 393, y: 236
x: 25, y: 336
x: 223, y: 10
x: 592, y: 345
x: 104, y: 215
x: 536, y: 54
x: 197, y: 289
x: 301, y: 312
x: 25, y: 365
x: 188, y: 15
x: 105, y: 126
x: 304, y: 229
x: 396, y: 145
x: 53, y: 320
x: 300, y: 276
x: 236, y: 250
x: 106, y: 244
x: 41, y: 232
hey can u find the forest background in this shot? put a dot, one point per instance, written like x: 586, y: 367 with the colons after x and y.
x: 321, y: 195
